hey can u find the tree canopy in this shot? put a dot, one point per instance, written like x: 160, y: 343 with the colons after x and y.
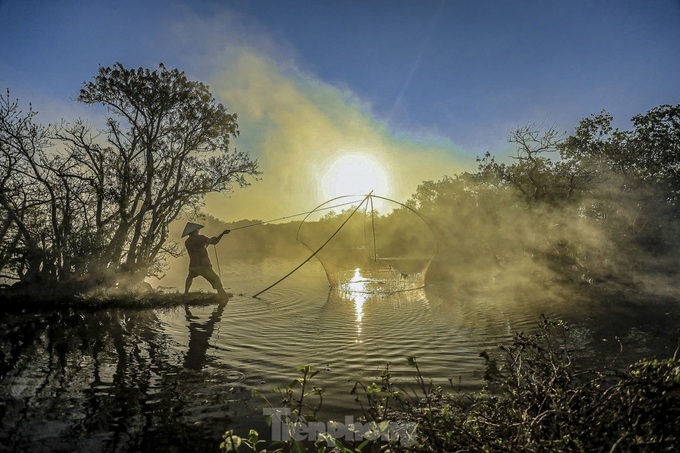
x: 598, y: 205
x: 98, y: 203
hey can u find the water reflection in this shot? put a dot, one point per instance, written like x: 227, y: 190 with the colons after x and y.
x: 108, y: 380
x: 199, y: 336
x: 168, y: 380
x: 356, y: 290
x: 365, y: 291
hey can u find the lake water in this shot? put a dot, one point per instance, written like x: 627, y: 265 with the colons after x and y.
x: 176, y: 379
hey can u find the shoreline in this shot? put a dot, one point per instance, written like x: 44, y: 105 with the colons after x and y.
x: 17, y: 301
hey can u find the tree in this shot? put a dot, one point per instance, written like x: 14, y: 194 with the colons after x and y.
x: 656, y: 142
x: 108, y: 196
x: 32, y: 193
x: 167, y: 147
x: 537, y: 171
x: 642, y: 166
x: 646, y: 157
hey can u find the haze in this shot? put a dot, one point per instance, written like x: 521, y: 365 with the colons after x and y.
x: 400, y: 92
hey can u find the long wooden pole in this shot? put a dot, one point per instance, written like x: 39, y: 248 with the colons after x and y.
x: 317, y: 250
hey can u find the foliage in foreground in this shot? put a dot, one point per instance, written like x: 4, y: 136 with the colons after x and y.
x: 535, y: 400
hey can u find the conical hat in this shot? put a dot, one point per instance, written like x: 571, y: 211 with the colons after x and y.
x: 191, y: 227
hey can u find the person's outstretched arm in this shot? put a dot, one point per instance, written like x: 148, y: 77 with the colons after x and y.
x: 216, y: 239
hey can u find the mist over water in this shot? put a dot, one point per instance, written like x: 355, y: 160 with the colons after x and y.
x: 154, y: 379
x: 482, y: 263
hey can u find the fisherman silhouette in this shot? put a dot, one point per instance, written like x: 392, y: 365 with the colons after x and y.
x: 199, y: 262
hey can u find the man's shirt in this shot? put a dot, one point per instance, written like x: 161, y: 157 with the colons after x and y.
x: 197, y: 247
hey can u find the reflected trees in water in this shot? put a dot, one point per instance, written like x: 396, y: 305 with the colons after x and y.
x: 110, y: 380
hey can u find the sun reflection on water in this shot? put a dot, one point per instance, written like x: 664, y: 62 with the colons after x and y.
x: 357, y: 291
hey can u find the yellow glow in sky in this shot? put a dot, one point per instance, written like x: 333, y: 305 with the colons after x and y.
x: 354, y: 174
x: 314, y: 142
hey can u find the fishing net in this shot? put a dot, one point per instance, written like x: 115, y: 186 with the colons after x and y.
x: 364, y: 251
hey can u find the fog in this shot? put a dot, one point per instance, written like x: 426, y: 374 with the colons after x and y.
x: 475, y: 239
x: 486, y: 235
x: 299, y: 127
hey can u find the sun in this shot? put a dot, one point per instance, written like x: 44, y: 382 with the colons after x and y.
x: 354, y: 174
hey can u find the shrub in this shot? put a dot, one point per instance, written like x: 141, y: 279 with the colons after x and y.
x: 535, y: 399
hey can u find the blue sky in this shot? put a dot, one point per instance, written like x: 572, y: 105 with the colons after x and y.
x: 428, y: 84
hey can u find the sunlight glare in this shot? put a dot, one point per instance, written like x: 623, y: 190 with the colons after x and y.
x: 356, y: 291
x: 354, y: 174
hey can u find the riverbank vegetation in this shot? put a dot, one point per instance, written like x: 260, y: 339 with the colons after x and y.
x: 536, y: 399
x: 58, y: 299
x: 599, y: 206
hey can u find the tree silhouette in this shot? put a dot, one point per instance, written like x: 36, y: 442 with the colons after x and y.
x: 108, y: 196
